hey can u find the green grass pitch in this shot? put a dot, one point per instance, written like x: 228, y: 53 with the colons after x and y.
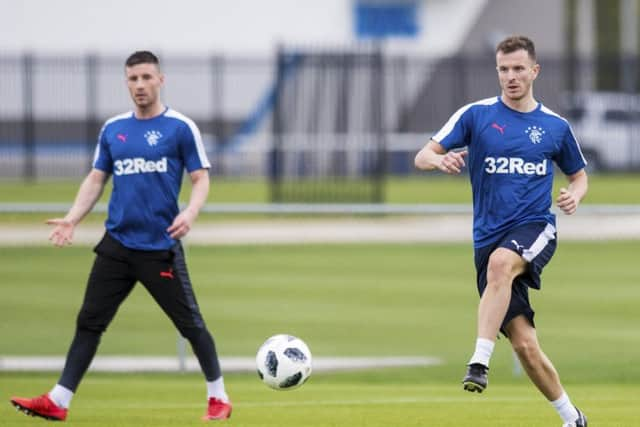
x: 344, y: 300
x: 383, y: 399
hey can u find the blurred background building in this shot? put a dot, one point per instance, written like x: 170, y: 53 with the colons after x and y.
x: 302, y: 92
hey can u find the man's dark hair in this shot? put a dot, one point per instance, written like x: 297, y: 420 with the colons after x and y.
x: 141, y: 57
x: 514, y: 43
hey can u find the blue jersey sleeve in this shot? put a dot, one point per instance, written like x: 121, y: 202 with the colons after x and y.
x: 192, y: 149
x: 569, y: 157
x: 456, y: 132
x: 102, y: 158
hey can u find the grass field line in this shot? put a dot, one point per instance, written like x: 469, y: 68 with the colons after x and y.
x: 385, y: 401
x: 437, y: 228
x: 228, y: 364
x: 324, y: 402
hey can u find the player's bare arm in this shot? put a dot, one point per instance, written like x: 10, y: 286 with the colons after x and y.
x: 200, y: 190
x: 570, y: 197
x: 433, y: 156
x: 88, y: 194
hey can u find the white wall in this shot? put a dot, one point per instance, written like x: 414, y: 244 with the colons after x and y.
x: 252, y: 27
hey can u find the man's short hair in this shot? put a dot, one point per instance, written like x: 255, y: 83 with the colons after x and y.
x: 514, y: 43
x: 141, y: 57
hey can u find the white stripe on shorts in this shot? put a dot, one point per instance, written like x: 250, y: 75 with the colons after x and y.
x: 539, y: 244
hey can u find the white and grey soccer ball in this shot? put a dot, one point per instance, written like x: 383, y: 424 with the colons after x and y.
x: 284, y: 362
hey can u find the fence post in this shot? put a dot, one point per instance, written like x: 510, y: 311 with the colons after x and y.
x: 181, y: 347
x: 275, y: 159
x: 379, y: 128
x: 28, y: 123
x: 217, y: 64
x: 91, y: 106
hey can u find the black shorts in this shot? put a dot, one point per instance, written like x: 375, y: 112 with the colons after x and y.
x: 536, y: 244
x: 117, y: 269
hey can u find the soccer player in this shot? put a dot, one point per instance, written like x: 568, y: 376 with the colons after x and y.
x: 510, y: 143
x: 146, y: 151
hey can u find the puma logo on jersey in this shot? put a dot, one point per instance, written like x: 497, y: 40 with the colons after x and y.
x: 514, y: 165
x: 498, y: 127
x: 138, y: 165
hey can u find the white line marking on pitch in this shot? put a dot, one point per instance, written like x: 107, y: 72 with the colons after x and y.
x: 228, y: 364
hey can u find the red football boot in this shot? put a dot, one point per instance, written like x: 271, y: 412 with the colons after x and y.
x: 40, y: 406
x: 217, y: 410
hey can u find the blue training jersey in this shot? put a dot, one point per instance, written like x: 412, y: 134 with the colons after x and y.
x: 146, y: 158
x: 510, y: 161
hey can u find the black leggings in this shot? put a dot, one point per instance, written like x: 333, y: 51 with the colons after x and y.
x: 115, y: 271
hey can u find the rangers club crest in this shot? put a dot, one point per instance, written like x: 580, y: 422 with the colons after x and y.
x: 152, y: 137
x: 535, y: 134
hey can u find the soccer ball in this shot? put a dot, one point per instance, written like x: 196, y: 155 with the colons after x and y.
x: 284, y: 362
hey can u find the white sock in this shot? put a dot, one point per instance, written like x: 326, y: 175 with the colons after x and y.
x: 565, y: 408
x: 216, y: 389
x: 61, y: 396
x: 484, y: 349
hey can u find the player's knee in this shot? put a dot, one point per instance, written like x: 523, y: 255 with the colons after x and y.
x: 192, y: 332
x: 89, y: 322
x: 501, y: 266
x: 527, y: 350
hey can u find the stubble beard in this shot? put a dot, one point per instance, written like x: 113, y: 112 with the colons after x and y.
x: 143, y: 104
x: 516, y: 96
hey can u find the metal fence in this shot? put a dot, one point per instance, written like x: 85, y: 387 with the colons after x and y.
x: 52, y: 107
x: 328, y: 131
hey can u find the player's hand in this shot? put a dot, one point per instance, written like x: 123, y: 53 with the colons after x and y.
x: 181, y: 224
x: 452, y: 162
x: 62, y: 233
x: 567, y: 201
